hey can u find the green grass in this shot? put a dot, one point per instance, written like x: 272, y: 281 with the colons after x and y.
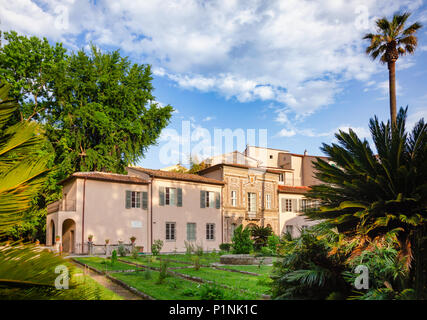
x: 103, y: 264
x: 173, y: 288
x: 253, y: 284
x: 205, y: 259
x: 151, y: 261
x: 89, y: 284
x: 265, y: 270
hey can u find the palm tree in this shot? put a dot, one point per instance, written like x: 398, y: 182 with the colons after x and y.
x: 391, y: 41
x: 369, y: 195
x: 26, y: 271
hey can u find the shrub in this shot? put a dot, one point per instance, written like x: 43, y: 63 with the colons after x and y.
x: 225, y: 246
x: 196, y: 260
x: 113, y: 257
x: 198, y: 250
x: 135, y: 253
x: 260, y: 236
x: 163, y: 271
x: 147, y: 274
x: 242, y: 243
x: 211, y: 292
x: 189, y: 247
x: 122, y: 251
x: 156, y: 247
x: 273, y: 244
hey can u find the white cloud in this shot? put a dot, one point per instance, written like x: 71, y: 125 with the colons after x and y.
x: 286, y: 133
x: 208, y: 118
x: 294, y: 52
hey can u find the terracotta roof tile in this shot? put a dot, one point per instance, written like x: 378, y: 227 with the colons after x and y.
x: 177, y: 176
x: 106, y: 176
x: 296, y: 189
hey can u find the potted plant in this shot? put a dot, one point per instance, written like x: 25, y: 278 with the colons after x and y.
x: 37, y: 242
x: 90, y: 237
x: 132, y: 239
x: 107, y: 241
x: 57, y: 238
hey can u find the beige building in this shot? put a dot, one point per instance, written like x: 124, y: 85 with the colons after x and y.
x: 146, y: 204
x: 249, y: 196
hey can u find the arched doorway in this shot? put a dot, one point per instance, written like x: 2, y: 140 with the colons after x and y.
x: 68, y: 235
x: 52, y: 232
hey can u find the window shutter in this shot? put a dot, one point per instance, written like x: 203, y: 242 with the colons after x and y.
x: 161, y: 196
x: 218, y: 200
x: 179, y: 202
x: 128, y: 198
x: 145, y: 200
x: 202, y: 199
x: 283, y: 205
x: 294, y: 205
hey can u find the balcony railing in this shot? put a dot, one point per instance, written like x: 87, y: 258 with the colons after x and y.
x: 252, y: 215
x: 61, y: 205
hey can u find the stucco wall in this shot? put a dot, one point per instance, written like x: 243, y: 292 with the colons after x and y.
x: 190, y: 212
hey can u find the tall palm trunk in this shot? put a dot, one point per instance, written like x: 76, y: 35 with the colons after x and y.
x: 392, y: 90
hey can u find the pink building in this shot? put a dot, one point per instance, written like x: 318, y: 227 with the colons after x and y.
x: 145, y: 204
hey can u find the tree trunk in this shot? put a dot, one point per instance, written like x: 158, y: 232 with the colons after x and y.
x: 392, y: 90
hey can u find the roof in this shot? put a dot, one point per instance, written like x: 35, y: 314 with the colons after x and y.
x: 106, y: 176
x: 239, y: 166
x: 177, y: 176
x: 295, y: 190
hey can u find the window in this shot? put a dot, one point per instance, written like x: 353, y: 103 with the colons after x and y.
x: 233, y: 227
x: 170, y: 196
x: 271, y: 156
x: 252, y: 202
x: 170, y: 231
x: 281, y: 177
x: 210, y: 199
x: 288, y: 205
x: 234, y: 198
x: 268, y: 201
x: 210, y: 231
x: 191, y: 231
x: 303, y: 205
x: 133, y: 199
x: 136, y: 200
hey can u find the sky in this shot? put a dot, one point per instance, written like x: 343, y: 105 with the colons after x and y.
x: 282, y: 74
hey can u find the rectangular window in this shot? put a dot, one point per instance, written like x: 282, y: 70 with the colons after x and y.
x: 191, y: 231
x: 304, y: 203
x: 135, y: 199
x: 281, y: 177
x: 170, y: 231
x: 288, y: 205
x: 171, y: 196
x: 252, y: 202
x: 209, y: 199
x: 234, y: 198
x: 210, y: 231
x: 268, y: 201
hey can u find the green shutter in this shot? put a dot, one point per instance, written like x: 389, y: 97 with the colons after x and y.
x: 218, y: 200
x: 144, y: 200
x: 128, y: 198
x: 162, y: 196
x: 179, y: 203
x: 202, y: 199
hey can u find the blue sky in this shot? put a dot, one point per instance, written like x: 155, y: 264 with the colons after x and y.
x: 295, y: 68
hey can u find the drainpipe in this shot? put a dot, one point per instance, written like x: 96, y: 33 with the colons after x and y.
x: 151, y: 214
x: 83, y: 214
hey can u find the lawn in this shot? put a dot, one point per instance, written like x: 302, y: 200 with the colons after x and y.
x: 152, y: 261
x: 103, y: 264
x: 205, y: 259
x: 263, y: 269
x: 174, y: 288
x: 253, y: 284
x: 89, y: 284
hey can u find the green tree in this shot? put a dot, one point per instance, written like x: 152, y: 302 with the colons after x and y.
x: 242, y: 242
x: 391, y: 41
x: 97, y: 110
x: 26, y: 271
x: 369, y: 195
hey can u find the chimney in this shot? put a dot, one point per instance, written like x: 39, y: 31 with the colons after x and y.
x: 305, y: 152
